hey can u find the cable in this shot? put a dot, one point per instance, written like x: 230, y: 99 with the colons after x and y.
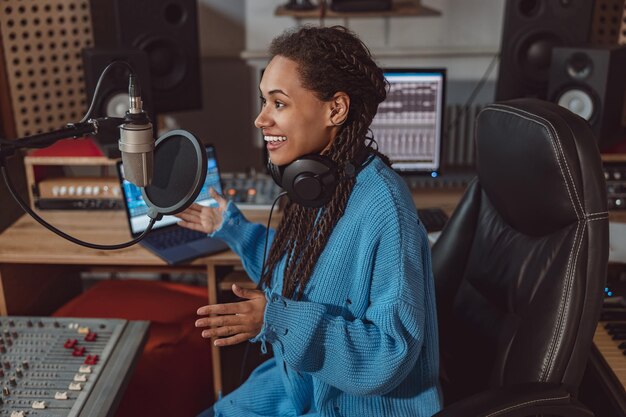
x: 53, y: 229
x: 97, y: 89
x: 472, y: 95
x: 267, y: 236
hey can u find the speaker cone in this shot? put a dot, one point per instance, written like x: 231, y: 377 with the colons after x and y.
x: 579, y: 66
x: 116, y: 105
x: 579, y: 102
x: 168, y: 63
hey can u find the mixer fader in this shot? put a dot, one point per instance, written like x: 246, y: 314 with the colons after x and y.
x: 57, y: 367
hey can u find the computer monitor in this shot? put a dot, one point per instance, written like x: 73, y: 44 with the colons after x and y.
x: 408, y: 125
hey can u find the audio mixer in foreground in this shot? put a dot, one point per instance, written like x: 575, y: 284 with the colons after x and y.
x: 57, y: 367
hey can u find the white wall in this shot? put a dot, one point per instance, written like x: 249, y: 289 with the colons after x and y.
x: 235, y: 34
x: 221, y: 27
x: 464, y: 38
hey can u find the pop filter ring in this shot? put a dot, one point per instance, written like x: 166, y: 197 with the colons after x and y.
x: 150, y: 194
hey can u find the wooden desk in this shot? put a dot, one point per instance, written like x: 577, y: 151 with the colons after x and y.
x: 39, y: 271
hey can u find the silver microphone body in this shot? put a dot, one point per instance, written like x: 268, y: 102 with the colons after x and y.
x: 137, y: 147
x: 136, y: 141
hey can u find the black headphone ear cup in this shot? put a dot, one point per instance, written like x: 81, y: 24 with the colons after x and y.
x: 310, y: 180
x: 276, y: 173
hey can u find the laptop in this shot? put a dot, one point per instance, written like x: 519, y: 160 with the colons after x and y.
x: 172, y: 243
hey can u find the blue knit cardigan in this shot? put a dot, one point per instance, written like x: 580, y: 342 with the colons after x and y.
x: 363, y: 340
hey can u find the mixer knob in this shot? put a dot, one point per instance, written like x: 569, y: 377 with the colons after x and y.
x: 3, y: 349
x: 7, y: 365
x: 25, y: 364
x: 19, y: 372
x: 60, y: 395
x: 5, y: 391
x: 75, y: 386
x: 29, y: 323
x: 1, y: 373
x: 13, y: 381
x: 38, y: 405
x: 14, y: 334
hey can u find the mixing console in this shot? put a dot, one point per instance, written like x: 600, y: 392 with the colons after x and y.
x: 57, y: 367
x: 256, y: 191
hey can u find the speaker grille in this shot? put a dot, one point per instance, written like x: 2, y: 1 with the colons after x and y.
x: 42, y: 42
x: 609, y: 22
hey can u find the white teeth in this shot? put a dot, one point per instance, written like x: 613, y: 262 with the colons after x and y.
x: 275, y: 138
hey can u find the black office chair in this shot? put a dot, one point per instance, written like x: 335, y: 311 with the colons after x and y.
x: 520, y: 267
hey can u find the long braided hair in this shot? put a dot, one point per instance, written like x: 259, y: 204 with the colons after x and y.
x: 329, y: 60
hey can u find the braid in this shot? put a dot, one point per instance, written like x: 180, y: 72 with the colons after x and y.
x: 329, y: 60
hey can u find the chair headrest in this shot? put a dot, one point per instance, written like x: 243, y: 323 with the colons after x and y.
x: 539, y: 165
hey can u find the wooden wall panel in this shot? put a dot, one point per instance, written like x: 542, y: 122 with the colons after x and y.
x: 608, y: 26
x: 42, y: 42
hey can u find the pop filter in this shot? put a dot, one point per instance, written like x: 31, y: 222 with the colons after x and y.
x: 179, y: 171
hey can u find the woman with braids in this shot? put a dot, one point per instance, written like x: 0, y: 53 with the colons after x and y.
x: 346, y: 297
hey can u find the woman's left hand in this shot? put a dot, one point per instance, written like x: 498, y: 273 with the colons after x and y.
x: 234, y: 322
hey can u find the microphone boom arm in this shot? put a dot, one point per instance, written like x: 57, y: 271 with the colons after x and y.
x: 72, y: 130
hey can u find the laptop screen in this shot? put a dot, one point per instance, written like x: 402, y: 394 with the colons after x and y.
x: 408, y: 124
x: 137, y: 210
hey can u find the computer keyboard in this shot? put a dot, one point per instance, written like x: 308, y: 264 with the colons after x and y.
x: 256, y: 191
x: 433, y: 218
x: 174, y: 237
x: 445, y: 181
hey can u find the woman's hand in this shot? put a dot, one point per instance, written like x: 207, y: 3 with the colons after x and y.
x: 202, y: 218
x: 234, y: 322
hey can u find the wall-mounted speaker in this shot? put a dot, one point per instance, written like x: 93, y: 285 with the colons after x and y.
x: 591, y: 82
x: 112, y: 99
x: 167, y: 32
x: 531, y: 29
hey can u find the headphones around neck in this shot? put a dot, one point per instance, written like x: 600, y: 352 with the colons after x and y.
x: 311, y: 179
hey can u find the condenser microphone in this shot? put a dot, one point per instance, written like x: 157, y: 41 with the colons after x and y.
x: 136, y: 140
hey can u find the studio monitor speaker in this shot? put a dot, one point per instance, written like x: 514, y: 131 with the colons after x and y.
x: 167, y: 31
x: 112, y: 99
x: 531, y: 29
x: 591, y: 82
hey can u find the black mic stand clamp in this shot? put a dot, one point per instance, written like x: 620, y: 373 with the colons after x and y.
x: 42, y: 140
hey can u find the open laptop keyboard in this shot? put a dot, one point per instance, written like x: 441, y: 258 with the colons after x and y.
x: 433, y: 219
x: 174, y: 237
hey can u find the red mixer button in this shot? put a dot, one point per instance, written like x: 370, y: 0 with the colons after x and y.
x: 79, y: 351
x: 91, y: 360
x: 70, y: 343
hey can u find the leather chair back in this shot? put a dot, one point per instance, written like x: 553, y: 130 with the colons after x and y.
x: 521, y: 265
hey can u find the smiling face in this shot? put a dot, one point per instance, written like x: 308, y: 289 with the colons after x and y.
x: 294, y: 121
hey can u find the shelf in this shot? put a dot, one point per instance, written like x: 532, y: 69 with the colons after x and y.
x: 404, y: 8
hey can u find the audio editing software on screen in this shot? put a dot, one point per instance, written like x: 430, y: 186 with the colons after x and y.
x: 408, y: 124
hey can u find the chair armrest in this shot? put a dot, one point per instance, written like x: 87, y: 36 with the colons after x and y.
x: 519, y: 400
